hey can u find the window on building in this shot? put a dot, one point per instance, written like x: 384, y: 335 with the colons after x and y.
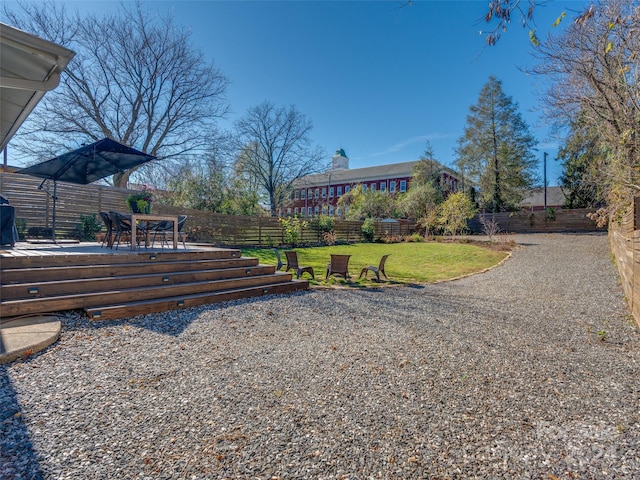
x: 373, y: 187
x: 317, y: 210
x: 347, y: 188
x: 309, y: 194
x: 331, y: 191
x: 383, y: 186
x: 331, y: 210
x: 364, y: 187
x: 403, y: 185
x: 338, y: 211
x: 392, y: 186
x: 288, y: 211
x: 309, y: 211
x: 296, y: 195
x: 339, y: 191
x: 324, y: 192
x: 317, y: 193
x: 303, y: 194
x: 296, y: 211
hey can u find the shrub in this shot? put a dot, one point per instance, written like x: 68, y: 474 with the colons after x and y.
x: 87, y: 228
x: 415, y: 238
x: 368, y: 229
x: 21, y: 227
x: 292, y: 230
x: 329, y: 238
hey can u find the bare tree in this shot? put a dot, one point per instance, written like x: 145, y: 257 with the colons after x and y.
x: 135, y: 78
x: 594, y: 67
x: 276, y: 149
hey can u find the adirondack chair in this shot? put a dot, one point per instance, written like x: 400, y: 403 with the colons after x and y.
x: 339, y: 265
x: 377, y: 270
x: 292, y: 264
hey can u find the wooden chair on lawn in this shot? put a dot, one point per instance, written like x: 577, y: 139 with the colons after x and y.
x: 338, y: 265
x: 377, y: 270
x: 292, y: 264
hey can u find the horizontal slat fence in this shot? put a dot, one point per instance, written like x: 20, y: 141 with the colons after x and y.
x: 35, y: 207
x: 624, y: 239
x: 575, y: 220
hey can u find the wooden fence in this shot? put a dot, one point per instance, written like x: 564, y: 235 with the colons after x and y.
x: 575, y: 220
x: 34, y: 207
x: 624, y: 240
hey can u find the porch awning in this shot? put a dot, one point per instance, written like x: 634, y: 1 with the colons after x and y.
x: 29, y: 67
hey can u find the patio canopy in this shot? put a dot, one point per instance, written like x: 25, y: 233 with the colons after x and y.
x: 29, y: 67
x: 86, y: 165
x: 89, y: 163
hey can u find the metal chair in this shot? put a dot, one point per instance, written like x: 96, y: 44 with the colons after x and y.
x: 292, y: 264
x: 165, y: 227
x: 377, y: 270
x: 108, y: 223
x: 123, y: 230
x: 280, y: 264
x: 339, y: 265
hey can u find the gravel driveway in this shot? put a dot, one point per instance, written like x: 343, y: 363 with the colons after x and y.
x: 530, y: 370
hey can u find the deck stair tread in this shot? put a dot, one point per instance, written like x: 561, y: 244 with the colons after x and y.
x: 106, y: 312
x: 16, y: 291
x: 15, y: 275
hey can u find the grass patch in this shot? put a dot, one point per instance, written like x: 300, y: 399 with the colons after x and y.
x: 409, y: 262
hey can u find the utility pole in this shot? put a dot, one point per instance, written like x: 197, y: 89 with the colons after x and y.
x: 545, y: 180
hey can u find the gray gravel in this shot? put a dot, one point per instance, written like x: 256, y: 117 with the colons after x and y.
x: 499, y: 375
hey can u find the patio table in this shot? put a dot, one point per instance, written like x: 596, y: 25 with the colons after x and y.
x: 145, y: 217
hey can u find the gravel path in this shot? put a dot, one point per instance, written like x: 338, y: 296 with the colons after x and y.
x: 498, y: 375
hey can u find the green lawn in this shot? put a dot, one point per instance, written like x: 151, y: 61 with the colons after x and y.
x: 409, y: 262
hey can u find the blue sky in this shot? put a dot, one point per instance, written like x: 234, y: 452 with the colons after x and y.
x: 375, y: 78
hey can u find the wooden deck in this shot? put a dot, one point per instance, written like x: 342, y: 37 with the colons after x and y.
x: 108, y: 283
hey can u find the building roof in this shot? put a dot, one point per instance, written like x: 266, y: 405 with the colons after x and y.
x: 535, y: 197
x: 354, y: 175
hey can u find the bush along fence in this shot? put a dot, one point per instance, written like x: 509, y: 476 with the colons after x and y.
x: 77, y: 202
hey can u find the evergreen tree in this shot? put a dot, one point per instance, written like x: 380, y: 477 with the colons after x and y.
x: 496, y: 150
x: 581, y: 156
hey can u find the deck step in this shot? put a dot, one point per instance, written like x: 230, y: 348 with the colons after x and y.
x: 86, y: 285
x: 31, y: 306
x: 110, y: 312
x: 73, y: 271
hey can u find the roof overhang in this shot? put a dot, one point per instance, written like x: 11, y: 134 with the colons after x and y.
x: 29, y: 67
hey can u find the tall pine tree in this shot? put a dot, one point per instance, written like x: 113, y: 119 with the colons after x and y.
x: 496, y: 150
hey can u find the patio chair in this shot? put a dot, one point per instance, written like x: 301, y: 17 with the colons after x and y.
x: 122, y: 227
x: 108, y: 223
x: 164, y: 228
x: 280, y: 264
x: 292, y: 264
x: 377, y: 270
x: 339, y: 265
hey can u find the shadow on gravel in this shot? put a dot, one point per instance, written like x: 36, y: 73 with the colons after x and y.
x: 17, y: 457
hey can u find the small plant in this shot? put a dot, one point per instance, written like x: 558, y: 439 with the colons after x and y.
x: 415, y: 238
x: 21, y: 227
x: 87, y: 228
x: 602, y: 335
x: 140, y: 201
x: 551, y: 213
x: 270, y: 241
x: 292, y: 230
x: 368, y: 229
x: 329, y: 238
x: 489, y: 226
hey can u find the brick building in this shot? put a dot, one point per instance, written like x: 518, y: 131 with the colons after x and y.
x: 319, y: 193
